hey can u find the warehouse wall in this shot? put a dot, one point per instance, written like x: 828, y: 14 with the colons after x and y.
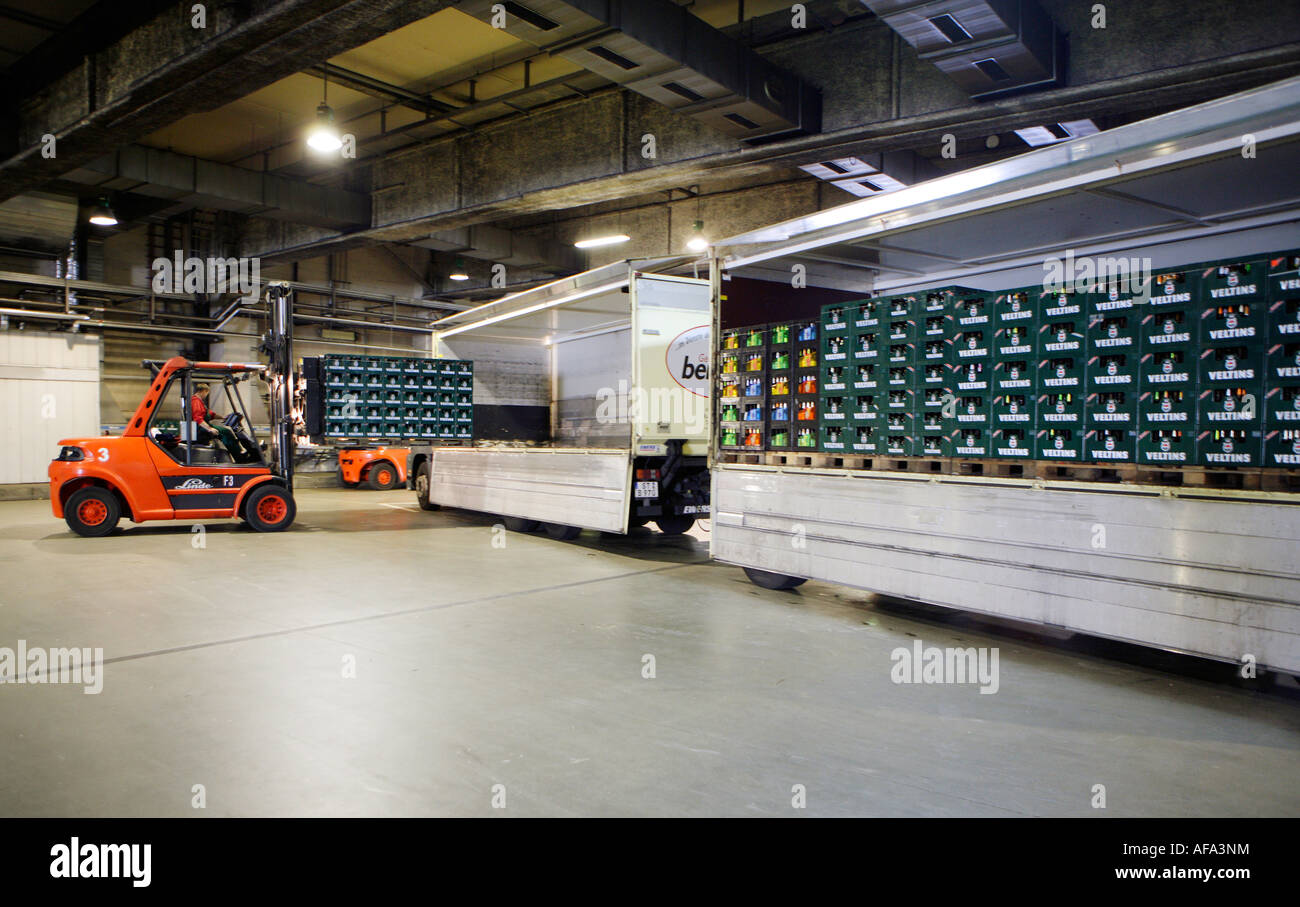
x: 49, y: 390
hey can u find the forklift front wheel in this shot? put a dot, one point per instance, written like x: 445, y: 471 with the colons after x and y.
x: 270, y: 508
x: 92, y: 511
x: 770, y: 580
x: 422, y: 488
x: 383, y: 476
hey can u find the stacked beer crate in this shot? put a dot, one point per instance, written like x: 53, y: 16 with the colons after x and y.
x: 1197, y: 366
x: 742, y: 399
x: 392, y: 398
x: 1282, y: 398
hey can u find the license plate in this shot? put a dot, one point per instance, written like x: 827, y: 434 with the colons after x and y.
x: 691, y: 508
x: 646, y: 490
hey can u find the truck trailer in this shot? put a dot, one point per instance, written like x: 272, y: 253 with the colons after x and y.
x: 592, y: 405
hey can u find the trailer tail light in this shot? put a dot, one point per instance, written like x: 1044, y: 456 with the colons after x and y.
x: 647, y: 475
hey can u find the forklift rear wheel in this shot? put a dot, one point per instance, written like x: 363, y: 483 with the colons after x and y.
x: 675, y: 525
x: 383, y: 476
x: 519, y: 524
x: 270, y: 508
x: 344, y: 482
x: 422, y: 488
x: 773, y: 580
x: 560, y: 532
x: 92, y: 512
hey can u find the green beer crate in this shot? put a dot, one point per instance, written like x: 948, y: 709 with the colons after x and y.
x: 1110, y: 445
x: 1283, y: 299
x: 833, y: 409
x: 835, y: 378
x: 973, y: 377
x: 1012, y: 443
x: 834, y: 437
x: 1167, y: 368
x: 864, y: 409
x: 1282, y: 363
x: 1111, y: 409
x: 863, y: 439
x: 779, y: 359
x: 929, y: 439
x: 971, y: 441
x: 1229, y: 447
x: 900, y: 377
x: 1282, y: 406
x: 1240, y: 407
x: 1166, y: 447
x: 1015, y: 376
x: 972, y: 344
x: 865, y: 315
x: 835, y: 318
x: 1223, y: 285
x: 835, y: 348
x: 1282, y: 447
x: 1016, y: 307
x: 1014, y: 410
x: 1168, y: 327
x: 780, y: 435
x: 1060, y: 444
x: 866, y: 376
x: 898, y: 308
x: 779, y: 334
x: 867, y: 345
x: 1233, y: 366
x: 972, y: 310
x: 1167, y: 408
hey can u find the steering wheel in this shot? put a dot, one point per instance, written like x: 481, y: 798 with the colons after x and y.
x: 233, y: 421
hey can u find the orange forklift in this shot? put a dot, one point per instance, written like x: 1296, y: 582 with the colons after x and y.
x: 163, y: 468
x: 381, y: 467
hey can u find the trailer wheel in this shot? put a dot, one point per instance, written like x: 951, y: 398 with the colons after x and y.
x: 560, y: 532
x: 422, y: 488
x: 270, y: 508
x: 773, y: 580
x: 92, y: 512
x: 675, y: 525
x: 383, y: 476
x: 519, y: 524
x: 344, y: 483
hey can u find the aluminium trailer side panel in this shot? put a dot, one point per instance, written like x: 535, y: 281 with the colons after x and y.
x: 586, y: 488
x: 1218, y: 578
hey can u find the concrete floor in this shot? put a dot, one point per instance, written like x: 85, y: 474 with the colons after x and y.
x: 521, y: 666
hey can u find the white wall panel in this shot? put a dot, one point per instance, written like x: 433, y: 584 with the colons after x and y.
x: 49, y: 390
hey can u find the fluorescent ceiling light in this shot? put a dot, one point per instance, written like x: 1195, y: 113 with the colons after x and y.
x: 597, y: 241
x: 1037, y: 136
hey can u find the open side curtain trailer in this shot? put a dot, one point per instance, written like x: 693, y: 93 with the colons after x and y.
x: 1207, y: 571
x: 619, y: 357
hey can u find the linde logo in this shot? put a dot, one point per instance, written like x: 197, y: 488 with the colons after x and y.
x: 179, y: 274
x: 103, y: 861
x: 192, y: 484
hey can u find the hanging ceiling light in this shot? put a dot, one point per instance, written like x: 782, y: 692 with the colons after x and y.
x: 597, y: 241
x: 102, y: 215
x: 324, y: 135
x: 698, y: 241
x: 458, y: 272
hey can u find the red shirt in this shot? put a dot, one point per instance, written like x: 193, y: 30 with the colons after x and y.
x: 198, y: 408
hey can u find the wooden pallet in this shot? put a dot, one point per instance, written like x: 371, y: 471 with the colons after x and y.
x: 1191, y: 477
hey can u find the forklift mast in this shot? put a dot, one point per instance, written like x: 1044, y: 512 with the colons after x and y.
x: 277, y: 344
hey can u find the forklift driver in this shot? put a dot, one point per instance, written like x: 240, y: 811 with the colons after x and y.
x: 240, y: 448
